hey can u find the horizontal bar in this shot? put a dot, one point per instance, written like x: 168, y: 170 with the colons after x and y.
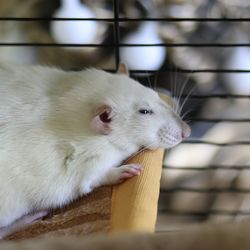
x: 138, y: 72
x: 214, y: 120
x: 192, y: 71
x: 207, y: 190
x: 207, y: 168
x: 124, y: 19
x: 222, y: 96
x: 55, y: 45
x: 203, y: 213
x: 234, y: 143
x: 129, y: 44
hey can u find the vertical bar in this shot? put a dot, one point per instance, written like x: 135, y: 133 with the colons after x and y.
x: 117, y: 33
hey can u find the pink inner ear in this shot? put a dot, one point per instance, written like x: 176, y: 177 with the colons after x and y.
x: 101, y: 122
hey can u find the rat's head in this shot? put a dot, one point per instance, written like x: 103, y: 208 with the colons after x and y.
x: 136, y: 115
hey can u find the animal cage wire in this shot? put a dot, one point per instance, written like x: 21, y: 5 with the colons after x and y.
x: 169, y: 71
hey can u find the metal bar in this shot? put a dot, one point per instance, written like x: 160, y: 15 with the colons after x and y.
x: 203, y: 213
x: 222, y: 96
x: 190, y: 71
x: 207, y: 168
x: 193, y: 71
x: 205, y: 190
x: 127, y: 44
x: 214, y: 120
x: 234, y: 143
x: 117, y: 33
x: 124, y: 19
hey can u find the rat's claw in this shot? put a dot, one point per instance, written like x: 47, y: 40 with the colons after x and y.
x: 120, y: 174
x: 129, y: 170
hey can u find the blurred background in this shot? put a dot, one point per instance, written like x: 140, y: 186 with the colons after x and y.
x: 199, y: 51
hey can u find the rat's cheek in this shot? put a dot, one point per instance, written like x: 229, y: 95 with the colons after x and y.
x: 150, y: 140
x: 99, y: 126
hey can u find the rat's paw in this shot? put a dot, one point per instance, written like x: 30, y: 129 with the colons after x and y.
x: 128, y: 171
x: 120, y: 174
x: 124, y: 172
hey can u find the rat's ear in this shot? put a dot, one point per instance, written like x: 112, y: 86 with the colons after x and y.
x: 123, y: 69
x: 100, y: 123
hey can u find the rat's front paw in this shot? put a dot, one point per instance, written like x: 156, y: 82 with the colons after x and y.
x: 128, y: 171
x: 124, y: 172
x: 120, y: 174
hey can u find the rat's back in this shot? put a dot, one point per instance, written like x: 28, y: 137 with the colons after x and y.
x: 29, y: 156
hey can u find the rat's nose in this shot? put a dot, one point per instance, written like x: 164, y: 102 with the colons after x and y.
x: 186, y: 130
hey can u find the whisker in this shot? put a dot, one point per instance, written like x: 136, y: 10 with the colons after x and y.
x: 186, y: 98
x: 188, y: 121
x: 148, y: 80
x: 171, y: 84
x: 184, y: 85
x: 173, y: 89
x: 176, y: 104
x: 176, y: 88
x: 186, y: 113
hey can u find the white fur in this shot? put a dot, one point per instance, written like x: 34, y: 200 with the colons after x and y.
x: 49, y: 155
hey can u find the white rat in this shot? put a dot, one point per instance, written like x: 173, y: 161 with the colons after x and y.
x: 64, y: 133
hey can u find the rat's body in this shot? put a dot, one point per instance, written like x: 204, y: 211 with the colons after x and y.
x: 64, y: 133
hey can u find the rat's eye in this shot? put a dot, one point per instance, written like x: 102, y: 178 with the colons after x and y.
x: 146, y: 111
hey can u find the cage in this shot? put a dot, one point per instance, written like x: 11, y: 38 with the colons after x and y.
x: 205, y: 66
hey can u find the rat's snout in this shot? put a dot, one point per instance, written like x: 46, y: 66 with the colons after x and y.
x: 186, y: 130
